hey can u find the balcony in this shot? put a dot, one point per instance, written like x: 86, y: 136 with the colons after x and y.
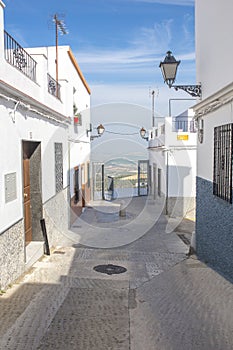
x: 183, y: 126
x: 54, y: 87
x: 19, y: 58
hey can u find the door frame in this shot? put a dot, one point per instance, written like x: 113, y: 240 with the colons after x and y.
x: 31, y: 151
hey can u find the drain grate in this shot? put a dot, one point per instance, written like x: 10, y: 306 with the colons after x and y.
x: 110, y: 269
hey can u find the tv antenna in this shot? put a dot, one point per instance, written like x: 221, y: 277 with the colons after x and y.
x: 59, y: 27
x: 152, y: 94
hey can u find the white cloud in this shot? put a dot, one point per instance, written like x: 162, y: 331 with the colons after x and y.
x: 127, y: 62
x: 143, y: 52
x: 155, y: 38
x: 132, y: 70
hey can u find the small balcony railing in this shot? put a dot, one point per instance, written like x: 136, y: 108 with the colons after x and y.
x: 184, y: 125
x: 18, y: 57
x: 54, y: 87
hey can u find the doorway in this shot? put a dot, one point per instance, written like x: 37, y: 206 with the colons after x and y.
x: 143, y: 170
x: 32, y: 195
x: 154, y: 180
x: 83, y: 185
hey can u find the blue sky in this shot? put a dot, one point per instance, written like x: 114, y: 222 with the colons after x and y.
x: 118, y: 44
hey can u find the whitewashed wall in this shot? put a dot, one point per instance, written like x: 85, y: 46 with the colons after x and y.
x: 182, y: 173
x: 157, y: 157
x: 2, y: 6
x: 32, y: 129
x: 179, y: 156
x: 73, y: 90
x: 222, y: 116
x: 214, y: 28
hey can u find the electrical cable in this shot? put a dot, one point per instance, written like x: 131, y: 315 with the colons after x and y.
x: 124, y: 134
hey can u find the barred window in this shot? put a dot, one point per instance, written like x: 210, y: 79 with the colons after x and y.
x: 58, y: 166
x: 222, y: 182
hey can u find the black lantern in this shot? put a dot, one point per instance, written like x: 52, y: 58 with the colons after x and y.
x: 169, y: 69
x: 100, y: 129
x: 143, y: 134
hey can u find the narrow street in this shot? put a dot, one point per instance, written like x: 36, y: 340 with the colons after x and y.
x: 164, y: 300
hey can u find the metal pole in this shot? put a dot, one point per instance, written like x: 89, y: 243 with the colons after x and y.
x: 45, y: 236
x: 56, y: 29
x: 103, y: 197
x: 178, y: 99
x: 167, y: 179
x: 153, y: 108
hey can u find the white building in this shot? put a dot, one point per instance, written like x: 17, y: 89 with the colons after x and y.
x: 40, y: 148
x: 214, y: 114
x: 172, y: 159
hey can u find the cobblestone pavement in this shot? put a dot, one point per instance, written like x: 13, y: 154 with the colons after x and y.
x: 164, y: 301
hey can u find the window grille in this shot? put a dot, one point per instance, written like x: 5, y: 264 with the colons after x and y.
x: 58, y: 167
x: 222, y: 182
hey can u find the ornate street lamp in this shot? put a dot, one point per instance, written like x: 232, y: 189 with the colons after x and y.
x: 143, y: 134
x: 100, y: 130
x: 169, y: 69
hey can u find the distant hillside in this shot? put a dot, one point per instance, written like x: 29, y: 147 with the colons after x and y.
x: 121, y: 166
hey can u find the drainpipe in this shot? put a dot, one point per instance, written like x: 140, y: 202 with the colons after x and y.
x: 102, y: 182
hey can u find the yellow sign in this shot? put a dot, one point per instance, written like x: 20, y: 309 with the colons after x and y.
x: 183, y: 137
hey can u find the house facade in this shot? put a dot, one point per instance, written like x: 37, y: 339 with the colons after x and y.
x: 172, y: 159
x: 214, y: 116
x: 41, y: 145
x: 77, y: 105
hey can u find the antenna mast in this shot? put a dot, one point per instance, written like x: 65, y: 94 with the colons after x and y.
x: 59, y: 25
x: 153, y: 106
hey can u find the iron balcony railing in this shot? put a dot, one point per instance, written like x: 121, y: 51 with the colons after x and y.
x: 184, y: 125
x: 54, y: 87
x: 18, y: 57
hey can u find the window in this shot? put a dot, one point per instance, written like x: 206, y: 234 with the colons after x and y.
x: 58, y: 166
x: 222, y: 182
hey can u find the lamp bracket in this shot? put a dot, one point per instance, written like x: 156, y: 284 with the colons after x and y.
x: 193, y: 90
x: 94, y: 137
x: 89, y: 130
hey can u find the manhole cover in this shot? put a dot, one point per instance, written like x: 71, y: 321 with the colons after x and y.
x: 110, y: 269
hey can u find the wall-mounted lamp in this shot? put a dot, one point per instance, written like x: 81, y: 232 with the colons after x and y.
x: 143, y: 134
x: 169, y: 69
x: 100, y: 130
